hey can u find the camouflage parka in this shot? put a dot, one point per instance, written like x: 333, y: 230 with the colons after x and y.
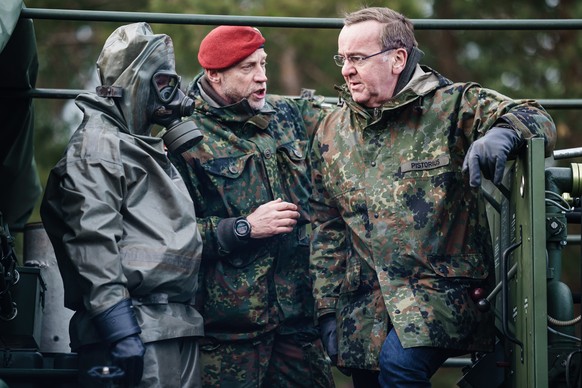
x: 248, y: 158
x: 400, y: 238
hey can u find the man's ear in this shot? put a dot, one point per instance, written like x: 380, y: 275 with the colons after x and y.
x: 399, y: 60
x: 212, y: 75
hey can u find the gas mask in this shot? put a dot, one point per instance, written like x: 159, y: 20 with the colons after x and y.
x: 170, y: 106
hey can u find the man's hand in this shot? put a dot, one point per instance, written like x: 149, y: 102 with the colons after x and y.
x: 118, y: 326
x: 272, y: 218
x: 489, y: 154
x: 128, y: 354
x: 328, y: 335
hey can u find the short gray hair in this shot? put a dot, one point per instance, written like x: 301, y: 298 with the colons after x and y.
x: 398, y: 30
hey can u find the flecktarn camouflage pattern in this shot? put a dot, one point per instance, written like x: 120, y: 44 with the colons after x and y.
x: 399, y: 236
x: 246, y: 296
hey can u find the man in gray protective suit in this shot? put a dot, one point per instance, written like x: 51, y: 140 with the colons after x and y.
x: 122, y: 223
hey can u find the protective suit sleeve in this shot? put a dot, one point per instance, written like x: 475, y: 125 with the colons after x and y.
x: 81, y: 210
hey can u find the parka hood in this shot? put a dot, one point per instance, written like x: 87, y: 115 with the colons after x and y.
x: 130, y: 57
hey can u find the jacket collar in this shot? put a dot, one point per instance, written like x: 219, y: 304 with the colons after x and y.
x: 237, y: 112
x: 423, y: 81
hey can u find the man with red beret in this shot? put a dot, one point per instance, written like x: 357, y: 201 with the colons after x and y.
x: 250, y: 181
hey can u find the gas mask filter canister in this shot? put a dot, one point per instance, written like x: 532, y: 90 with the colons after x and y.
x: 171, y: 105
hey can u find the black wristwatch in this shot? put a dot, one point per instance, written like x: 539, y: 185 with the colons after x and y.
x: 242, y: 228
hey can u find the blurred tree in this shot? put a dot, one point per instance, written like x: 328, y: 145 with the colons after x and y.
x: 534, y: 64
x: 297, y: 58
x: 520, y: 64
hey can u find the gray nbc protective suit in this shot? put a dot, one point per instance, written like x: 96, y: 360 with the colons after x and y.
x: 117, y: 212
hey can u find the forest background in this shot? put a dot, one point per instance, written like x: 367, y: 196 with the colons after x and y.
x: 542, y: 64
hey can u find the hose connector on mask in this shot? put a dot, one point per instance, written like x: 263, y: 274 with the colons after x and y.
x: 180, y: 135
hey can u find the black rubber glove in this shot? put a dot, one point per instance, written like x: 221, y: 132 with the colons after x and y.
x: 118, y: 326
x: 328, y: 335
x: 489, y: 154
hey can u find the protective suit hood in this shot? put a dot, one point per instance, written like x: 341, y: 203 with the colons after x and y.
x: 130, y: 57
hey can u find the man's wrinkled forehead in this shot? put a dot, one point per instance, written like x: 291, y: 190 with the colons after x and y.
x: 258, y: 56
x: 356, y: 38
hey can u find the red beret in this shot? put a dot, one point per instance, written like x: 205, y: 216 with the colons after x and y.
x: 226, y: 46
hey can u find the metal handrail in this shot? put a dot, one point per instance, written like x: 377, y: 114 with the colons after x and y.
x: 294, y: 22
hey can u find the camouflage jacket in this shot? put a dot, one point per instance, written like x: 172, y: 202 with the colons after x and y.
x: 399, y: 236
x: 248, y: 158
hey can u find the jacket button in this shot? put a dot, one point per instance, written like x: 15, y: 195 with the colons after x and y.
x: 396, y: 311
x: 373, y: 164
x: 268, y: 154
x: 232, y: 168
x: 297, y: 153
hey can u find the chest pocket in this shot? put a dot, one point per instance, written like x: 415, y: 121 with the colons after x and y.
x: 237, y: 180
x: 226, y: 168
x: 295, y: 150
x: 292, y: 156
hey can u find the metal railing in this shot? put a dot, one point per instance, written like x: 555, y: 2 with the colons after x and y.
x: 295, y: 22
x: 290, y: 22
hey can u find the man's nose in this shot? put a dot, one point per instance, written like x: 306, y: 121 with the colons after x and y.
x: 261, y: 76
x: 348, y: 68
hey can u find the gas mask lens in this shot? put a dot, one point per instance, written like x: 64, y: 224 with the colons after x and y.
x: 166, y: 84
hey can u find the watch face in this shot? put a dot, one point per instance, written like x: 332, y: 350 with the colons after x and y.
x: 242, y: 228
